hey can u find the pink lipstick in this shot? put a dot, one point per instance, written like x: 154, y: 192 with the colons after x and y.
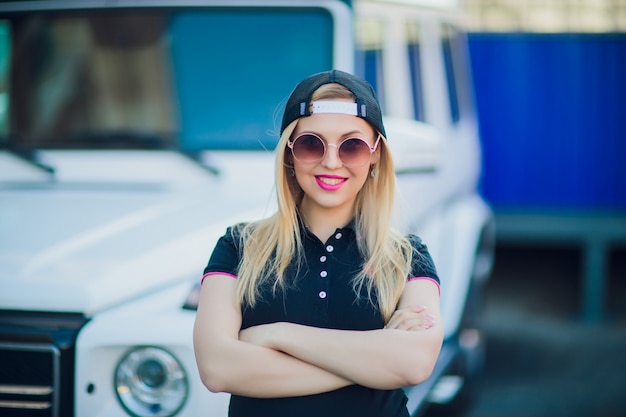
x: 330, y: 182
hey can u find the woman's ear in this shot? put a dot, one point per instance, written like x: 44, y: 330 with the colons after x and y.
x: 379, y: 143
x: 375, y: 156
x: 288, y: 159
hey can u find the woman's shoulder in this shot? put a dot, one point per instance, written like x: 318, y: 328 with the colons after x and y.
x: 416, y: 242
x: 237, y: 229
x: 238, y: 233
x: 422, y: 263
x: 232, y: 235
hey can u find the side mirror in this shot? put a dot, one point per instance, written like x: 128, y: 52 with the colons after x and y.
x: 415, y: 146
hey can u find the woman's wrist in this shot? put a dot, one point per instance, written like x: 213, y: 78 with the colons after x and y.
x: 278, y: 334
x: 266, y: 335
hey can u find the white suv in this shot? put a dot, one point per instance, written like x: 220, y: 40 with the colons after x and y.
x: 133, y: 132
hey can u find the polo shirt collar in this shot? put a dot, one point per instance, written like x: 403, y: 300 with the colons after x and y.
x: 304, y: 229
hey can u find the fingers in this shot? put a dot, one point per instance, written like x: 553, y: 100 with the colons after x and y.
x: 411, y: 318
x: 406, y: 316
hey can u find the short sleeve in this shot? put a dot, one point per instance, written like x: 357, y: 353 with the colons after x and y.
x: 422, y: 265
x: 226, y: 254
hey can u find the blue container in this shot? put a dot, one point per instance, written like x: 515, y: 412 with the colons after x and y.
x: 552, y: 109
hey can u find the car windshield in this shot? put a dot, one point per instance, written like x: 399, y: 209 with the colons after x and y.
x: 186, y: 79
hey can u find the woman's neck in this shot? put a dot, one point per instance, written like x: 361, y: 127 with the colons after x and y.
x: 323, y: 222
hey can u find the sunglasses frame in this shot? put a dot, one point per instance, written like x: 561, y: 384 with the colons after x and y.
x: 372, y: 149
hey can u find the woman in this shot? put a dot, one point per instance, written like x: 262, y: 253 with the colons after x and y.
x: 321, y: 309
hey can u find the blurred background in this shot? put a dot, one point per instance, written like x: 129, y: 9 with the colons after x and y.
x: 550, y: 75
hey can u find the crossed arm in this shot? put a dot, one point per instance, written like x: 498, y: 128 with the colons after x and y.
x: 285, y: 359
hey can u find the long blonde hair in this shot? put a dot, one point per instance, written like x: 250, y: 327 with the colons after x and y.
x: 271, y: 245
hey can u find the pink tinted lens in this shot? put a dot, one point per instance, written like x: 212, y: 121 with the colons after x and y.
x: 354, y: 152
x: 308, y: 148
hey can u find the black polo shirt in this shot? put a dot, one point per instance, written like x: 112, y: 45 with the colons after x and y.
x: 319, y: 292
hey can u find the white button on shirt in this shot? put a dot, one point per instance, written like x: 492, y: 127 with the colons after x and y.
x: 322, y: 294
x: 330, y: 248
x: 323, y: 258
x: 323, y: 274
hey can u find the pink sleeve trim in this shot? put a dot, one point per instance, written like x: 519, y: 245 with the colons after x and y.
x: 427, y: 279
x: 216, y: 273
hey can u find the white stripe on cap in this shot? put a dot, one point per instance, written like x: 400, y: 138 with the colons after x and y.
x: 340, y: 107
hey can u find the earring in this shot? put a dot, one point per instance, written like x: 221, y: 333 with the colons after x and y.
x: 373, y: 171
x: 292, y: 172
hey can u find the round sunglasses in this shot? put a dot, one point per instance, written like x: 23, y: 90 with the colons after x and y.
x: 309, y: 148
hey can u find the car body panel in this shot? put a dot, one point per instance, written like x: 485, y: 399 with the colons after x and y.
x: 102, y: 251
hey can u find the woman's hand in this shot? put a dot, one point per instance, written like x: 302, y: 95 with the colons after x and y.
x: 412, y: 318
x: 260, y: 335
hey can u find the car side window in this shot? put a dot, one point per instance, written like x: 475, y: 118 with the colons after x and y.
x: 447, y: 44
x: 456, y: 59
x: 369, y: 54
x: 5, y: 53
x: 415, y: 62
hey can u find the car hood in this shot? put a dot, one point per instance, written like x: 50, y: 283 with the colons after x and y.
x: 84, y: 246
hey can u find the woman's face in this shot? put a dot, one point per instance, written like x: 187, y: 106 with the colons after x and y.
x: 329, y: 183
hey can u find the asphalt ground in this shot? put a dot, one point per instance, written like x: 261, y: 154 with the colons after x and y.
x: 542, y: 358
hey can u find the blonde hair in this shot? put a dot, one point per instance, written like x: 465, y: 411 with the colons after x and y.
x: 272, y: 244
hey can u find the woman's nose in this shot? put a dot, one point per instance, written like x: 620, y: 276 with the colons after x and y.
x: 331, y: 158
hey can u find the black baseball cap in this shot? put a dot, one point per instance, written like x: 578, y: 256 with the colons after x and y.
x: 366, y: 106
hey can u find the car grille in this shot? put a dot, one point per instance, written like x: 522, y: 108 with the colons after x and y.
x: 37, y: 354
x: 29, y: 380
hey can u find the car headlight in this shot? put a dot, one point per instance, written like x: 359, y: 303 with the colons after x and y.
x: 150, y: 381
